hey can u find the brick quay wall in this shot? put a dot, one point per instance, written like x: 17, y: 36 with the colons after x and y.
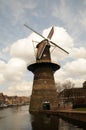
x: 76, y: 116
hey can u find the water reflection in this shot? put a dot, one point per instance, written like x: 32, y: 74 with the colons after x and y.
x: 64, y: 125
x: 19, y: 118
x: 45, y: 122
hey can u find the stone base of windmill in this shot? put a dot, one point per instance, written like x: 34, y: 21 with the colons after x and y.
x: 43, y: 101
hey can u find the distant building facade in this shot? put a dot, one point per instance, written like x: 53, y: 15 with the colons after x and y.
x: 2, y: 98
x: 76, y: 96
x: 13, y: 100
x: 84, y: 85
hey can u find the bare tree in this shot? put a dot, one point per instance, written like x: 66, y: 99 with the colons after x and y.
x: 59, y: 87
x: 68, y: 84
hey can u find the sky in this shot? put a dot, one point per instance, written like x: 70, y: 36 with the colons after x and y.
x: 16, y: 47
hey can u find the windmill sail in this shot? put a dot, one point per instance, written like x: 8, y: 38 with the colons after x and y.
x: 59, y: 47
x: 34, y: 31
x: 51, y: 33
x: 41, y: 49
x: 44, y: 43
x: 49, y: 37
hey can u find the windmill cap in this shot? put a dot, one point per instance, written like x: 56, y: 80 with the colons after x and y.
x: 45, y: 40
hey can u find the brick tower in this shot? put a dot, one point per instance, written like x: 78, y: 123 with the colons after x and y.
x: 43, y: 83
x: 43, y: 69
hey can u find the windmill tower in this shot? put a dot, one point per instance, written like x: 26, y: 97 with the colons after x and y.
x: 43, y: 69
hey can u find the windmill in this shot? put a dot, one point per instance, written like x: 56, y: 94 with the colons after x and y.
x: 44, y: 90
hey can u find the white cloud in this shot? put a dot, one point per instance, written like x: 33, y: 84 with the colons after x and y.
x: 1, y: 79
x: 11, y: 74
x: 24, y: 48
x: 60, y: 75
x: 60, y: 37
x: 64, y: 40
x: 5, y: 50
x: 78, y: 52
x: 79, y: 82
x: 74, y: 70
x: 13, y: 70
x: 20, y: 88
x: 2, y: 66
x: 22, y: 53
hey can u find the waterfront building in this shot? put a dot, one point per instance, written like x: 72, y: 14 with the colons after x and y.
x: 13, y: 100
x: 2, y: 98
x: 76, y: 96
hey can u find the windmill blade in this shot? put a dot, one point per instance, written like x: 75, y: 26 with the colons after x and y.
x: 59, y: 47
x: 50, y: 36
x: 34, y: 31
x: 41, y: 50
x: 61, y: 54
x: 51, y: 33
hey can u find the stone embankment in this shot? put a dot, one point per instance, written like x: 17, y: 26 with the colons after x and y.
x: 73, y: 115
x: 76, y: 116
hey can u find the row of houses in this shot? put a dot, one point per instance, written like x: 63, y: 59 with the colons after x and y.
x: 12, y: 100
x: 74, y: 97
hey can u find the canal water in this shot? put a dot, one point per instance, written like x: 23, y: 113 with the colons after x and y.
x: 19, y: 118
